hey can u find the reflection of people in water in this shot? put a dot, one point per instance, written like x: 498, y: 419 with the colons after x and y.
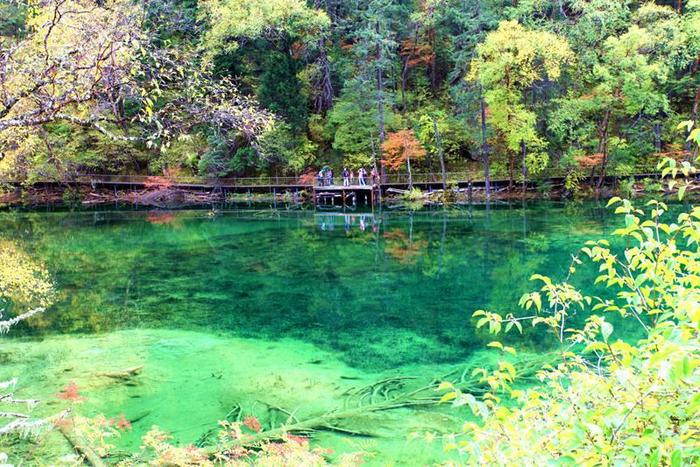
x: 326, y: 222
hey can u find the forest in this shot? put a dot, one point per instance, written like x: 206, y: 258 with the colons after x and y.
x: 235, y: 88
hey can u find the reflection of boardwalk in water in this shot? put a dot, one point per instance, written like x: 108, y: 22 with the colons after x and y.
x: 356, y: 221
x: 340, y: 195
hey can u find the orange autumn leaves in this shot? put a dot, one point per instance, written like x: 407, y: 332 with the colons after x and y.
x: 400, y: 147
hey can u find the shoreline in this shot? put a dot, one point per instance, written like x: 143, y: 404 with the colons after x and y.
x: 177, y: 198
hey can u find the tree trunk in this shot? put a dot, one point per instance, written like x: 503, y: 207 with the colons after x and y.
x: 380, y: 107
x: 511, y: 170
x: 324, y: 85
x: 410, y: 178
x: 441, y: 155
x: 603, y: 146
x: 482, y: 109
x: 484, y: 144
x: 404, y: 72
x: 693, y: 149
x: 657, y: 137
x: 523, y: 150
x: 433, y: 62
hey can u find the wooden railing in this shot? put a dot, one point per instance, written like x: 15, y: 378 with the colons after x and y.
x: 275, y: 181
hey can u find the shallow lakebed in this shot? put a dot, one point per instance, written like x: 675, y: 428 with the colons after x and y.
x: 268, y: 309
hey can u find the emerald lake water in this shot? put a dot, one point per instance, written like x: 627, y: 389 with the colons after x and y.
x: 274, y: 308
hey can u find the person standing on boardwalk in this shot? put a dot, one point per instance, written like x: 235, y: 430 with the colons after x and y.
x: 319, y: 177
x: 375, y: 176
x: 346, y: 177
x: 329, y: 176
x: 361, y: 174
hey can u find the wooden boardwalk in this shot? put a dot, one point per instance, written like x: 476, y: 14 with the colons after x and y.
x: 344, y: 195
x: 333, y: 195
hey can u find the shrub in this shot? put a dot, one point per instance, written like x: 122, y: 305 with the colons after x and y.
x: 605, y: 401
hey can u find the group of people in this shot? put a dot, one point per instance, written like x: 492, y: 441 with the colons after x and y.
x: 325, y: 176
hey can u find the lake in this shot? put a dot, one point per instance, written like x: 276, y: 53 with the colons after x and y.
x: 256, y: 310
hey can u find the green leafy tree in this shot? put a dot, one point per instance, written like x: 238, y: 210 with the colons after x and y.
x: 625, y: 83
x: 234, y: 20
x: 510, y: 61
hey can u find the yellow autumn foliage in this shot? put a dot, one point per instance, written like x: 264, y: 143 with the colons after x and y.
x: 23, y: 282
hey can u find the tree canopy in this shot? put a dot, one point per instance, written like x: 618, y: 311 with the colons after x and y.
x: 193, y: 86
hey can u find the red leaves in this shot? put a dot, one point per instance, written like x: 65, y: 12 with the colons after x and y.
x: 589, y: 160
x: 308, y: 178
x: 70, y: 393
x: 122, y: 424
x: 300, y: 440
x: 416, y: 53
x: 252, y: 423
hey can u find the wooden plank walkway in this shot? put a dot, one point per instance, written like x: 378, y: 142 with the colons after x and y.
x: 278, y: 185
x: 345, y: 194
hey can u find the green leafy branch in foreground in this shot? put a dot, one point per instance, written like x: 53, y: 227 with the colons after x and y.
x: 606, y: 401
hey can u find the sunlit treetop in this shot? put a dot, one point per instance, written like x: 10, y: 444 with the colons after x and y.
x: 513, y: 56
x: 233, y: 20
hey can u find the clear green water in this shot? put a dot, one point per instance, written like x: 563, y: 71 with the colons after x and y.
x: 277, y: 308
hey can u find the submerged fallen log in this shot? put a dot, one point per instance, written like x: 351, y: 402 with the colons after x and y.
x: 387, y: 394
x: 328, y: 421
x: 65, y: 427
x: 123, y: 374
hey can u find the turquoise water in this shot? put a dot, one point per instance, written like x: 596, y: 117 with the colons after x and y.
x: 234, y: 306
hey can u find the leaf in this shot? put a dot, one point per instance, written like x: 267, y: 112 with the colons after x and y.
x: 676, y: 458
x: 508, y: 367
x: 655, y: 457
x: 686, y: 125
x: 593, y: 346
x: 606, y: 329
x: 495, y: 344
x: 445, y: 385
x: 681, y: 192
x: 537, y: 299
